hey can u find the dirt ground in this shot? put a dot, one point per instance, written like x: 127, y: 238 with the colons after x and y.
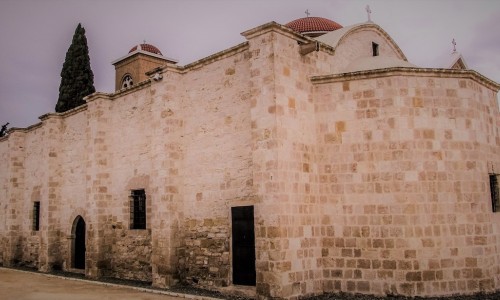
x: 17, y: 284
x: 21, y: 285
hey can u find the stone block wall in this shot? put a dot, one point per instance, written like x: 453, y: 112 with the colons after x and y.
x: 405, y: 189
x: 30, y: 250
x: 216, y: 164
x: 4, y: 207
x: 14, y: 184
x: 264, y: 142
x: 51, y: 138
x: 287, y: 215
x: 18, y: 244
x: 32, y: 240
x: 73, y: 156
x: 167, y: 156
x: 292, y: 242
x: 130, y: 255
x: 204, y: 258
x: 118, y: 163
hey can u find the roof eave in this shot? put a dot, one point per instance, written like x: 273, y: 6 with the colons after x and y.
x: 136, y: 52
x: 406, y: 71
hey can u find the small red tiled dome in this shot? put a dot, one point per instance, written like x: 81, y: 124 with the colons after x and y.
x: 313, y: 26
x: 147, y: 48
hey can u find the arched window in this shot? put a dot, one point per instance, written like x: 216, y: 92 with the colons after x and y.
x: 127, y: 81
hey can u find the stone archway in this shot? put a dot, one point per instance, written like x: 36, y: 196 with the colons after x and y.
x: 78, y: 247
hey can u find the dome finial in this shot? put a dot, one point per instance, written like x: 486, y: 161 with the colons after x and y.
x: 307, y: 13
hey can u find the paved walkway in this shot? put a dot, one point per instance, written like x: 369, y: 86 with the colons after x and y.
x: 22, y: 285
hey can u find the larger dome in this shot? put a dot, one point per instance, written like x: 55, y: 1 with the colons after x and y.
x: 147, y: 48
x: 313, y: 26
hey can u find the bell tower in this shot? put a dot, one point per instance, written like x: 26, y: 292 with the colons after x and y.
x: 131, y: 69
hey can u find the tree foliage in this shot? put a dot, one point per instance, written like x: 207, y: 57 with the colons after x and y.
x: 77, y: 79
x: 3, y: 130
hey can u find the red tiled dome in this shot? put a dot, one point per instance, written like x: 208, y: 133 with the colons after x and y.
x: 148, y: 48
x: 313, y: 25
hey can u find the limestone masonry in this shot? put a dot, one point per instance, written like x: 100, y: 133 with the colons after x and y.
x: 296, y: 163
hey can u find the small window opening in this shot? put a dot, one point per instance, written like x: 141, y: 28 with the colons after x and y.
x: 138, y: 209
x: 375, y: 49
x: 127, y: 81
x: 495, y: 195
x: 36, y: 215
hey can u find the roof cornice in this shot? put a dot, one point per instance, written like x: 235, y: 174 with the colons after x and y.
x: 202, y: 62
x: 65, y: 114
x: 111, y: 96
x: 257, y: 31
x: 275, y: 27
x: 404, y: 71
x: 44, y: 118
x: 137, y: 52
x: 215, y: 57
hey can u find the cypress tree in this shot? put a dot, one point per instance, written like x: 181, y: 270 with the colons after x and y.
x: 77, y: 79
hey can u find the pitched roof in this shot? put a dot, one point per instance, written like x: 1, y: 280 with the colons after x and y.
x: 456, y: 62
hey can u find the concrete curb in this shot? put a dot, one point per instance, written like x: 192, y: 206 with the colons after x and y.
x: 140, y: 289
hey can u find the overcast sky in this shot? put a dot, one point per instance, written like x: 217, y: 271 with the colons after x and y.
x: 35, y: 35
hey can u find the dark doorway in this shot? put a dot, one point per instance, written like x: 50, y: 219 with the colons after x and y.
x: 243, y: 245
x: 79, y: 248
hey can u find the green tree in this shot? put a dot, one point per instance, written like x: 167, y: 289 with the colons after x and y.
x: 3, y: 131
x: 77, y: 79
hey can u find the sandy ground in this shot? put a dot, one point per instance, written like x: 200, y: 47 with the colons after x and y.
x: 23, y: 286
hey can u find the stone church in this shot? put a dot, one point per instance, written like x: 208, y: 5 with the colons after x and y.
x: 310, y: 158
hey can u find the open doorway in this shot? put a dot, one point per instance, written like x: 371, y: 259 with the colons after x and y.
x: 79, y: 248
x: 243, y: 235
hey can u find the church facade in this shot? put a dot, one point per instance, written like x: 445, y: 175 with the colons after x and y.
x: 311, y: 158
